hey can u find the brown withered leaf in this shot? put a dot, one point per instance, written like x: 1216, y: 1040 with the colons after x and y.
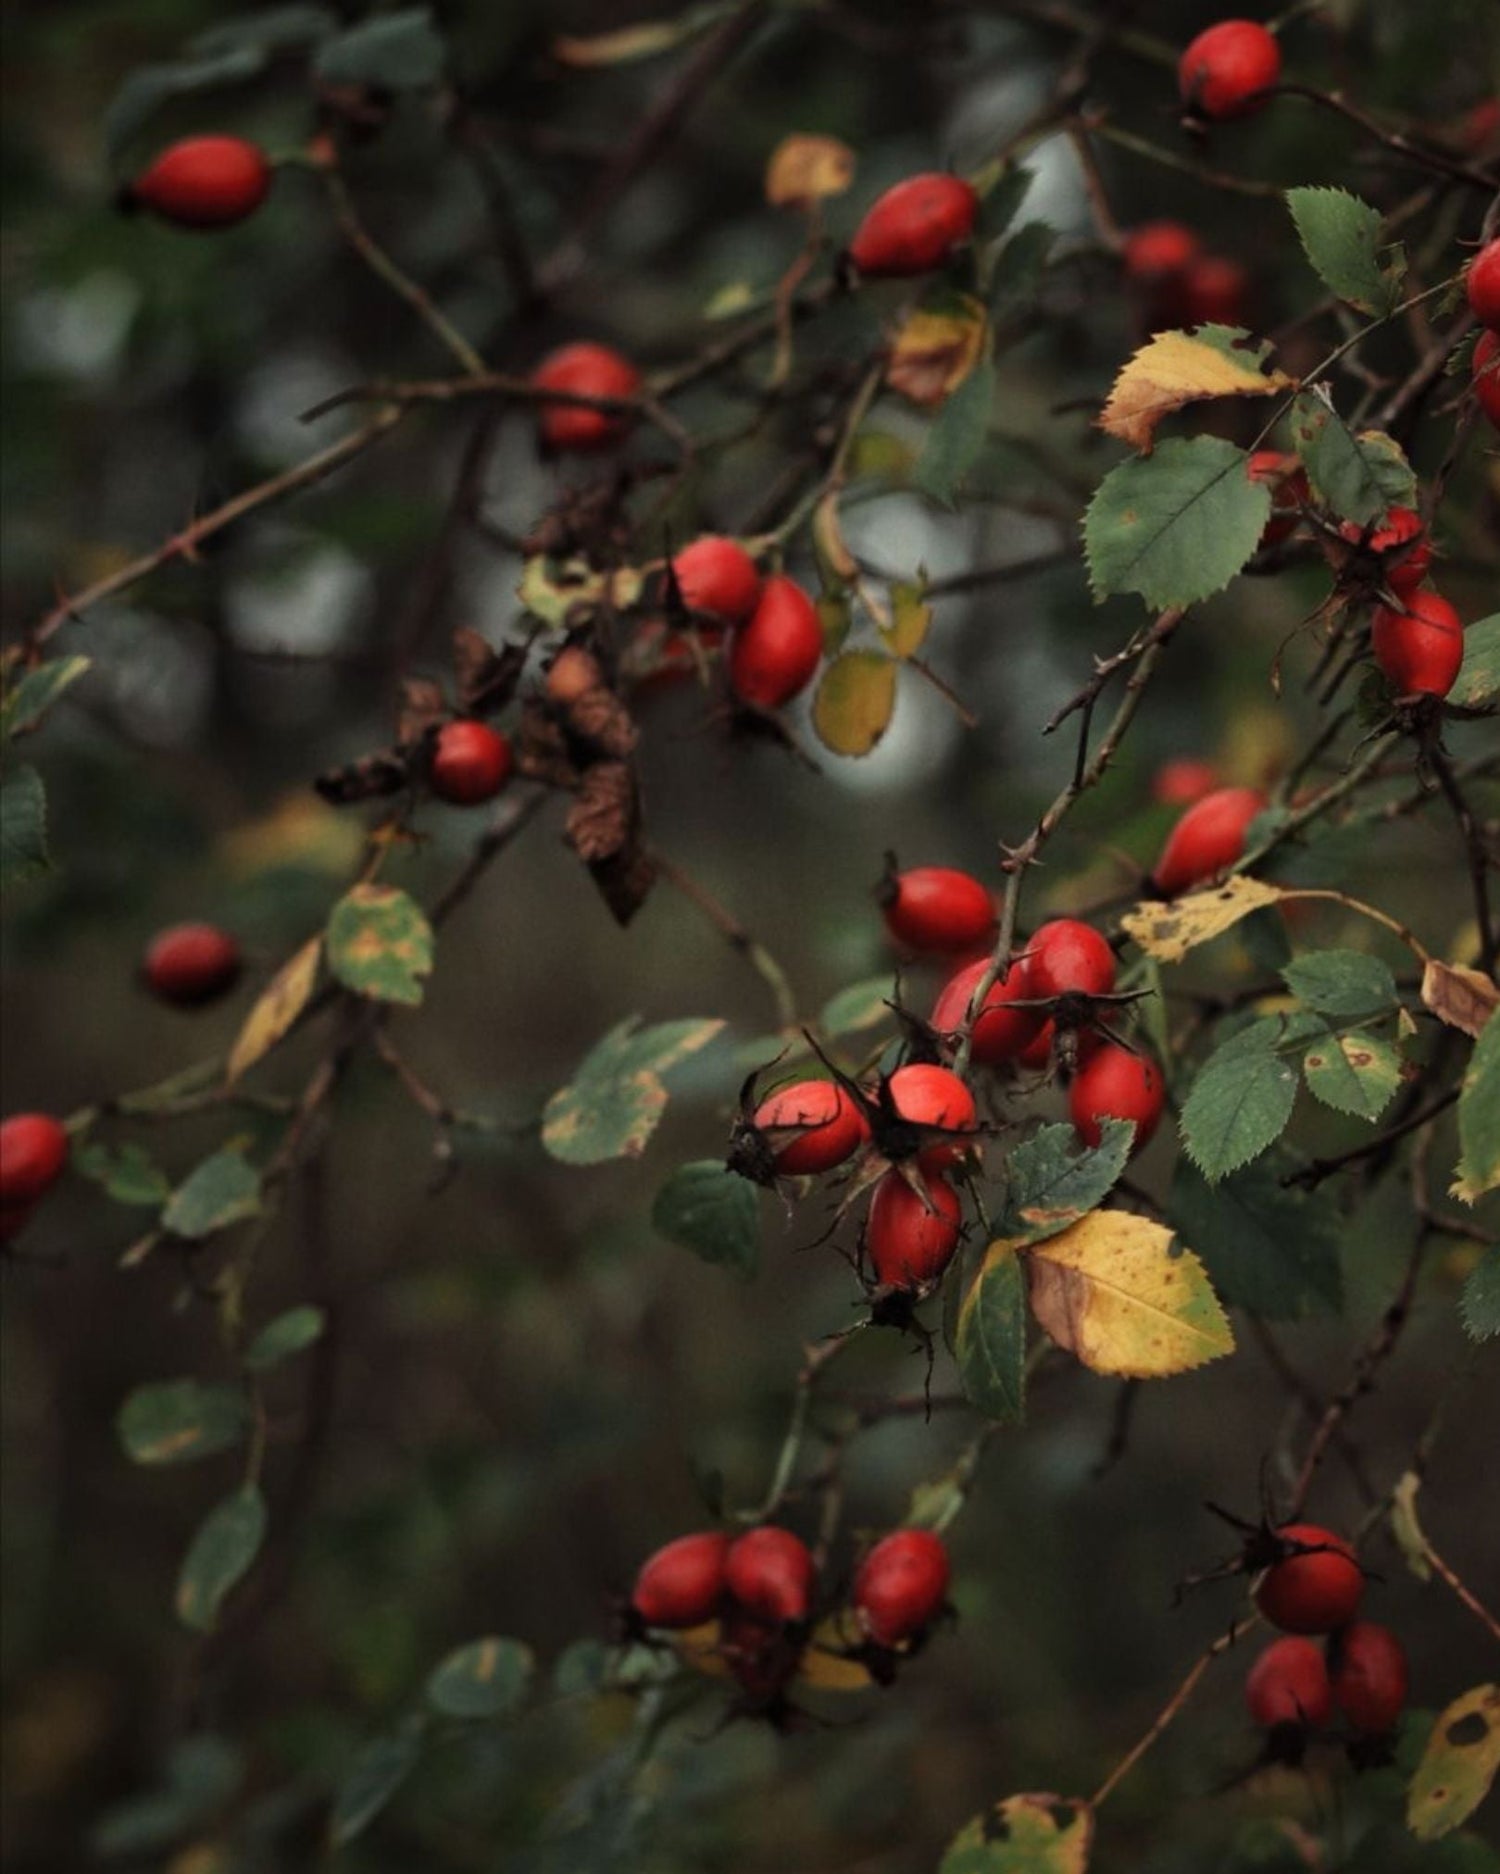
x: 935, y: 350
x: 625, y: 881
x: 1463, y: 998
x: 599, y: 718
x: 541, y: 747
x: 602, y: 819
x: 369, y: 778
x: 423, y: 707
x: 486, y: 678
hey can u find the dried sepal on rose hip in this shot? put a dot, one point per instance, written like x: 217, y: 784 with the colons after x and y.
x: 1312, y: 1581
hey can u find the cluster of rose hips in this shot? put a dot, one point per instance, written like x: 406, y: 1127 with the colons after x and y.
x: 758, y: 1593
x: 1178, y: 283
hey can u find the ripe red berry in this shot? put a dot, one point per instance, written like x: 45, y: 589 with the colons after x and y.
x: 191, y: 964
x: 826, y: 1126
x: 1487, y: 375
x: 770, y: 1573
x: 1400, y: 539
x: 1114, y: 1083
x: 901, y: 1585
x: 33, y: 1152
x: 1208, y: 837
x: 927, y: 1095
x: 682, y: 1584
x: 1420, y: 648
x: 1228, y: 68
x: 1157, y: 250
x: 1214, y: 291
x: 591, y: 371
x: 1368, y: 1672
x: 909, y: 1244
x: 1287, y: 480
x: 204, y: 182
x: 717, y: 575
x: 935, y: 908
x: 1313, y: 1592
x: 1001, y: 1032
x: 471, y: 762
x: 1181, y: 781
x: 1068, y: 957
x: 915, y: 226
x: 1484, y: 286
x: 1288, y: 1684
x: 776, y: 653
x: 1037, y: 1052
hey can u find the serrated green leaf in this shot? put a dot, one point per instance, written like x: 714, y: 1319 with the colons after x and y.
x: 1240, y: 1101
x: 377, y: 1773
x: 290, y: 1333
x: 712, y: 1211
x: 126, y: 1174
x: 1479, y: 1299
x: 1002, y: 195
x: 612, y: 1105
x: 1479, y: 1114
x: 1478, y: 681
x: 854, y: 701
x: 29, y: 700
x: 223, y: 1190
x: 392, y: 52
x: 862, y: 1005
x: 989, y: 1342
x: 1357, y: 477
x: 23, y: 827
x: 956, y: 435
x: 227, y: 1543
x: 1345, y: 984
x: 1266, y: 1248
x: 488, y: 1678
x: 1014, y: 274
x: 176, y: 1421
x: 380, y: 944
x: 1177, y: 525
x: 1052, y: 1183
x: 1340, y: 235
x: 1354, y: 1074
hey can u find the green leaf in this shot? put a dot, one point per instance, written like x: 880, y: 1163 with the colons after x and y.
x: 149, y: 87
x: 380, y: 944
x: 614, y: 1101
x: 28, y: 702
x: 1345, y: 984
x: 1002, y: 195
x: 860, y: 1006
x: 1358, y: 477
x: 1479, y: 1301
x: 1353, y: 1074
x: 488, y: 1678
x: 1340, y: 235
x: 277, y: 29
x: 377, y: 1773
x: 176, y: 1421
x: 393, y: 52
x: 1015, y: 273
x: 290, y: 1333
x: 854, y: 701
x: 227, y: 1542
x: 712, y: 1211
x: 956, y: 436
x: 1177, y: 525
x: 1242, y: 1097
x: 1479, y: 1114
x: 1478, y: 681
x: 202, y: 1774
x: 582, y: 1666
x: 223, y: 1190
x: 1266, y: 1248
x: 989, y: 1343
x: 23, y: 827
x: 1029, y: 1834
x: 1053, y: 1184
x: 127, y: 1174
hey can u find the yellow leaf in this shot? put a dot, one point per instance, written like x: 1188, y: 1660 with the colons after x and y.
x: 276, y: 1008
x: 702, y: 1648
x: 1463, y: 998
x: 644, y: 41
x: 805, y: 169
x: 934, y: 351
x: 1458, y: 1765
x: 1406, y: 1528
x: 1113, y: 1292
x: 912, y: 616
x: 1173, y: 370
x: 829, y: 542
x: 1030, y: 1834
x: 855, y: 701
x: 1168, y: 931
x: 824, y: 1666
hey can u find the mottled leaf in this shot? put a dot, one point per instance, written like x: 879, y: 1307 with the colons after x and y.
x: 1052, y: 1183
x: 176, y: 1421
x: 1458, y: 1765
x: 1355, y: 1074
x: 1030, y: 1834
x: 1168, y: 932
x: 488, y: 1678
x: 1344, y: 984
x: 380, y: 944
x: 1174, y: 369
x: 226, y: 1544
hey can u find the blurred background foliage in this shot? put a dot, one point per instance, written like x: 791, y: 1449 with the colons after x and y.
x: 529, y: 1387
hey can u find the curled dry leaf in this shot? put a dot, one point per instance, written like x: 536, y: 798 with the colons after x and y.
x: 602, y: 818
x: 806, y: 169
x: 1463, y: 998
x: 1176, y: 369
x: 935, y: 350
x: 423, y: 707
x: 1168, y: 931
x: 601, y: 719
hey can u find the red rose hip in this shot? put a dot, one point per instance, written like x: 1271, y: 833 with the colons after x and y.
x: 1214, y: 291
x: 1186, y: 778
x: 33, y: 1154
x: 1228, y: 68
x: 926, y: 1095
x: 935, y: 908
x: 1208, y: 838
x: 1288, y: 1684
x: 909, y: 1243
x: 1313, y: 1591
x: 590, y: 371
x: 471, y: 762
x: 1420, y: 649
x: 682, y: 1584
x: 1158, y: 250
x: 1069, y: 957
x: 824, y: 1125
x: 1001, y: 1032
x: 1114, y: 1083
x: 1368, y: 1672
x: 1483, y: 285
x: 191, y: 964
x: 1287, y: 480
x: 901, y: 1585
x: 204, y: 182
x: 774, y: 655
x: 915, y: 226
x: 1487, y: 375
x: 717, y: 575
x: 770, y: 1573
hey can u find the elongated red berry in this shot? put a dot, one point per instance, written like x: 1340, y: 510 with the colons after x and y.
x: 590, y: 371
x: 1158, y: 250
x: 909, y: 1243
x: 1184, y: 779
x: 1069, y: 957
x: 204, y: 182
x: 927, y: 1095
x: 820, y: 1123
x: 915, y: 226
x: 770, y: 1573
x: 1487, y: 375
x: 1002, y: 1031
x: 717, y: 575
x: 1037, y: 1052
x: 934, y: 908
x: 1288, y: 1684
x: 1209, y: 837
x: 471, y: 762
x: 1114, y: 1083
x: 1420, y: 648
x: 682, y: 1584
x: 1227, y: 70
x: 1315, y: 1589
x: 1368, y: 1671
x: 190, y: 964
x: 774, y: 656
x: 1483, y: 285
x: 901, y: 1585
x: 33, y: 1154
x: 1287, y: 480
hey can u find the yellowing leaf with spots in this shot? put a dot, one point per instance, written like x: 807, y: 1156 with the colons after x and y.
x: 277, y: 1007
x: 380, y: 944
x: 806, y: 169
x: 855, y: 701
x: 1175, y: 369
x: 1115, y: 1292
x: 936, y: 349
x: 1168, y: 931
x: 1030, y: 1834
x: 911, y: 616
x: 1458, y: 1765
x: 1463, y: 998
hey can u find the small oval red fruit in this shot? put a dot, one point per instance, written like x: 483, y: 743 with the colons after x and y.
x: 1288, y: 1684
x: 1001, y: 1032
x: 901, y: 1585
x: 682, y: 1584
x: 1367, y: 1669
x: 1114, y: 1083
x: 915, y: 226
x: 1287, y: 480
x: 1401, y: 539
x: 1420, y: 648
x: 1487, y: 375
x: 471, y: 762
x: 1313, y: 1592
x: 909, y: 1244
x: 191, y: 964
x: 1228, y: 68
x: 715, y: 574
x: 590, y: 371
x: 775, y: 654
x: 1037, y: 1052
x: 1157, y: 250
x: 936, y: 908
x: 1215, y: 291
x: 1069, y: 957
x: 1181, y: 781
x: 770, y: 1573
x: 1483, y: 284
x: 927, y: 1095
x: 204, y: 182
x: 33, y: 1153
x: 829, y: 1126
x: 1208, y: 837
